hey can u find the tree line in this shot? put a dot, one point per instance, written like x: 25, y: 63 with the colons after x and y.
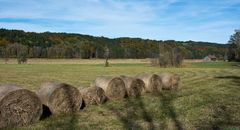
x: 15, y: 43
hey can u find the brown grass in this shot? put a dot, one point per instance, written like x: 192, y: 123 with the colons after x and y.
x: 76, y: 61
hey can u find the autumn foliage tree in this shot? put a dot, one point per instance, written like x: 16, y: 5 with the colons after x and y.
x: 68, y: 45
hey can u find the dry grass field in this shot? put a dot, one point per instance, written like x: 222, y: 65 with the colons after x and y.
x: 78, y: 61
x: 209, y: 97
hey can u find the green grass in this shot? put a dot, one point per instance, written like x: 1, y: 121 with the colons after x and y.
x: 214, y: 64
x: 209, y: 97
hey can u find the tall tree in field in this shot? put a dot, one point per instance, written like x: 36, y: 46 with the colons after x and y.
x: 234, y: 47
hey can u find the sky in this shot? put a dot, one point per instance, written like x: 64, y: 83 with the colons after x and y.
x: 198, y: 20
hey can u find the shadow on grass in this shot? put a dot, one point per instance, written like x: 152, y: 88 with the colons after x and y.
x: 235, y: 79
x: 66, y: 122
x: 46, y: 112
x: 128, y: 115
x: 136, y: 110
x: 167, y: 107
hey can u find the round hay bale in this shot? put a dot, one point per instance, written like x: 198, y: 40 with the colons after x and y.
x: 18, y: 106
x: 60, y: 98
x: 135, y: 87
x: 113, y: 87
x: 152, y: 82
x: 93, y: 95
x: 170, y: 81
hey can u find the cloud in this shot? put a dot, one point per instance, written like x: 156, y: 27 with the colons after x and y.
x: 163, y: 19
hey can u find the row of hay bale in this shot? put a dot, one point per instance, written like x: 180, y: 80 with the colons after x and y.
x: 20, y: 106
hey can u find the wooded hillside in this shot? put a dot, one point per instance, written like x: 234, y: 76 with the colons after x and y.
x: 68, y: 45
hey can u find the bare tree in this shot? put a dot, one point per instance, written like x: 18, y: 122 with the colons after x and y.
x: 18, y: 50
x: 6, y: 56
x: 107, y: 54
x: 167, y: 57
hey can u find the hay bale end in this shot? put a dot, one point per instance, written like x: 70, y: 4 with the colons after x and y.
x: 170, y: 81
x: 153, y: 83
x: 135, y: 87
x: 60, y: 98
x: 114, y: 87
x: 93, y: 95
x: 18, y: 106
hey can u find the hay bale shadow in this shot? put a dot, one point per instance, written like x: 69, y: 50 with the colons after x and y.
x: 131, y: 105
x: 167, y: 107
x: 127, y: 117
x: 83, y: 105
x: 46, y: 112
x: 69, y: 122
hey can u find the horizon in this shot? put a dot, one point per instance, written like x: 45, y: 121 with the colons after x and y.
x: 213, y: 21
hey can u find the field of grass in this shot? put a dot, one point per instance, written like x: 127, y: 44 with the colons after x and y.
x: 209, y: 97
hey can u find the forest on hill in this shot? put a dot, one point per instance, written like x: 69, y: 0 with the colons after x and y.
x: 69, y: 45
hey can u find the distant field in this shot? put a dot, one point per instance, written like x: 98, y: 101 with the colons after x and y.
x: 77, y: 61
x: 209, y: 98
x: 87, y: 61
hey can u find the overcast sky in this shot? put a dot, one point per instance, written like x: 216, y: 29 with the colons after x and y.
x: 199, y: 20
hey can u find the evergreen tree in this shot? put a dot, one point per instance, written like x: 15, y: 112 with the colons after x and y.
x: 234, y: 47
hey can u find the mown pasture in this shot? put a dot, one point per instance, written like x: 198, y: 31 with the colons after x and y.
x: 209, y: 97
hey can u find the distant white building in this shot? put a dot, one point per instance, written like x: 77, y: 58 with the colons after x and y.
x: 210, y: 58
